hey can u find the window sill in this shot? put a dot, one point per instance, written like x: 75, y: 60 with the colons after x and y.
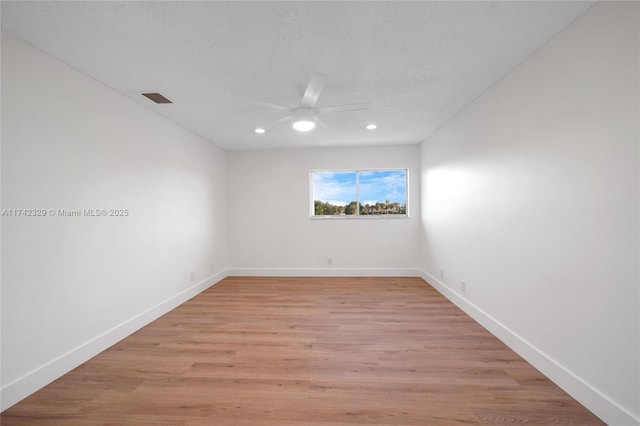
x: 364, y: 217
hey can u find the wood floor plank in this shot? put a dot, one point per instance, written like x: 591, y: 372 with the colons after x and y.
x: 305, y: 351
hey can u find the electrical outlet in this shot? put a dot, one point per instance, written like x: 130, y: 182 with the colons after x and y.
x: 329, y: 260
x: 192, y: 276
x: 441, y: 273
x: 463, y: 287
x: 212, y: 268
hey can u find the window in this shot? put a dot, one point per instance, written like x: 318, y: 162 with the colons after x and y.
x: 362, y: 193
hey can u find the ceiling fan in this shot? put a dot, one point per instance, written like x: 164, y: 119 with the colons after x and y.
x: 305, y: 115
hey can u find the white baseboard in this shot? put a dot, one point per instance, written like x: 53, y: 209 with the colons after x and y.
x: 326, y: 272
x: 36, y: 379
x: 580, y: 390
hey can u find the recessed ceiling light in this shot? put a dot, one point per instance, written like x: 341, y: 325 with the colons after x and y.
x: 304, y: 125
x: 259, y: 130
x: 371, y: 126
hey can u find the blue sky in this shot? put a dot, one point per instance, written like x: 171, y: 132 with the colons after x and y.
x: 339, y: 187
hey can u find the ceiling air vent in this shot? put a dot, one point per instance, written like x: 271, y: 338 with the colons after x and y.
x: 157, y: 98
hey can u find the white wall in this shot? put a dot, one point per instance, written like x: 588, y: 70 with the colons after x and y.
x: 270, y: 231
x: 530, y: 195
x: 71, y: 286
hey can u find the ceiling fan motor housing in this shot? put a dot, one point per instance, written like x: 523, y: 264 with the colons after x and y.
x: 303, y: 119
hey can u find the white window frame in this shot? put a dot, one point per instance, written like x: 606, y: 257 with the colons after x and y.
x: 358, y: 216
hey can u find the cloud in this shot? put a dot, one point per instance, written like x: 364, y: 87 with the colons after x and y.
x: 383, y: 185
x: 336, y: 186
x: 375, y: 186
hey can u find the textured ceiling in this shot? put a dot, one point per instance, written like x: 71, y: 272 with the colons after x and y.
x: 417, y: 63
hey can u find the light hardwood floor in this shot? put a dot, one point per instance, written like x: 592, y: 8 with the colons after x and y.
x: 298, y: 351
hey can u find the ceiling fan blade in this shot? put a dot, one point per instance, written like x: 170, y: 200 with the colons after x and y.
x: 315, y: 86
x: 320, y: 122
x: 341, y: 108
x: 279, y: 120
x: 268, y: 104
